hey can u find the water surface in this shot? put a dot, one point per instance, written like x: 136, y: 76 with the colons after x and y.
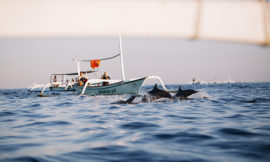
x: 231, y: 124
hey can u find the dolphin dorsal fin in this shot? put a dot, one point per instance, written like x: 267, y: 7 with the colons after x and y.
x: 155, y: 87
x: 179, y: 89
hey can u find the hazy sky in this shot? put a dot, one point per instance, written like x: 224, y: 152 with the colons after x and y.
x: 25, y: 61
x: 40, y: 37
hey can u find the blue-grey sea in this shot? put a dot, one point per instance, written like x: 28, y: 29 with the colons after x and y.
x: 224, y: 122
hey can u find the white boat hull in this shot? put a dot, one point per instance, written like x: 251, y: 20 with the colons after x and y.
x: 120, y: 88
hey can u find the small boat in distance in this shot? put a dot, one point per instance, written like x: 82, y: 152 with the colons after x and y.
x: 93, y: 87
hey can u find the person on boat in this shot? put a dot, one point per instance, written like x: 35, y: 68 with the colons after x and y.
x: 72, y: 82
x: 82, y: 79
x: 54, y: 79
x: 106, y: 77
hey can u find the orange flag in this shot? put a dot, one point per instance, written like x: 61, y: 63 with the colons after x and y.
x: 95, y: 63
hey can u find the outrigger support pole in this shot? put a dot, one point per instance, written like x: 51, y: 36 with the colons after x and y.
x: 159, y: 79
x: 46, y: 85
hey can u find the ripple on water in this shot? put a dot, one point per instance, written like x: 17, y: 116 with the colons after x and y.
x: 35, y: 105
x: 182, y: 137
x: 26, y: 159
x: 44, y: 124
x: 236, y: 132
x: 123, y: 154
x: 138, y: 125
x: 13, y: 137
x: 257, y: 150
x: 7, y: 113
x: 241, y: 117
x: 64, y: 104
x: 13, y: 147
x: 39, y: 116
x: 114, y: 153
x: 113, y: 107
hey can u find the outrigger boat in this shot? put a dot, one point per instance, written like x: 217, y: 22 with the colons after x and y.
x: 95, y: 87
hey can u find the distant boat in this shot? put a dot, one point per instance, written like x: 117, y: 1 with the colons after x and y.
x: 196, y: 81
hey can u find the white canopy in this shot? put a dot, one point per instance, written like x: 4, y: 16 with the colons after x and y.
x: 230, y: 20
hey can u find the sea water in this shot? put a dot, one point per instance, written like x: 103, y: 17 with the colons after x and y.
x: 223, y: 122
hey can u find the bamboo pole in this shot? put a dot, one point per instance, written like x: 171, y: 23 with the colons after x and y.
x: 197, y: 20
x: 266, y: 19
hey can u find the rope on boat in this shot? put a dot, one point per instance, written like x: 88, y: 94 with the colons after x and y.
x: 108, y: 58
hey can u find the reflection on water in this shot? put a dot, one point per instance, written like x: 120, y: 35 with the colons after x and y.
x: 227, y: 122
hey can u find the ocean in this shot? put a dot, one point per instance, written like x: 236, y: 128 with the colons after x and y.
x: 223, y: 122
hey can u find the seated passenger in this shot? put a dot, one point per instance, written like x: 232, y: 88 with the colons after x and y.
x: 54, y: 79
x: 82, y: 79
x: 106, y: 77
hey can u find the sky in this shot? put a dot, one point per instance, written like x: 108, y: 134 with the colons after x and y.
x: 175, y: 39
x: 24, y: 61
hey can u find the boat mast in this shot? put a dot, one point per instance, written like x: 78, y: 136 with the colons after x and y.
x: 121, y: 57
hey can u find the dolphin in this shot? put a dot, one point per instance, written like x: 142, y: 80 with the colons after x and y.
x: 184, y: 93
x: 128, y: 101
x: 159, y: 93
